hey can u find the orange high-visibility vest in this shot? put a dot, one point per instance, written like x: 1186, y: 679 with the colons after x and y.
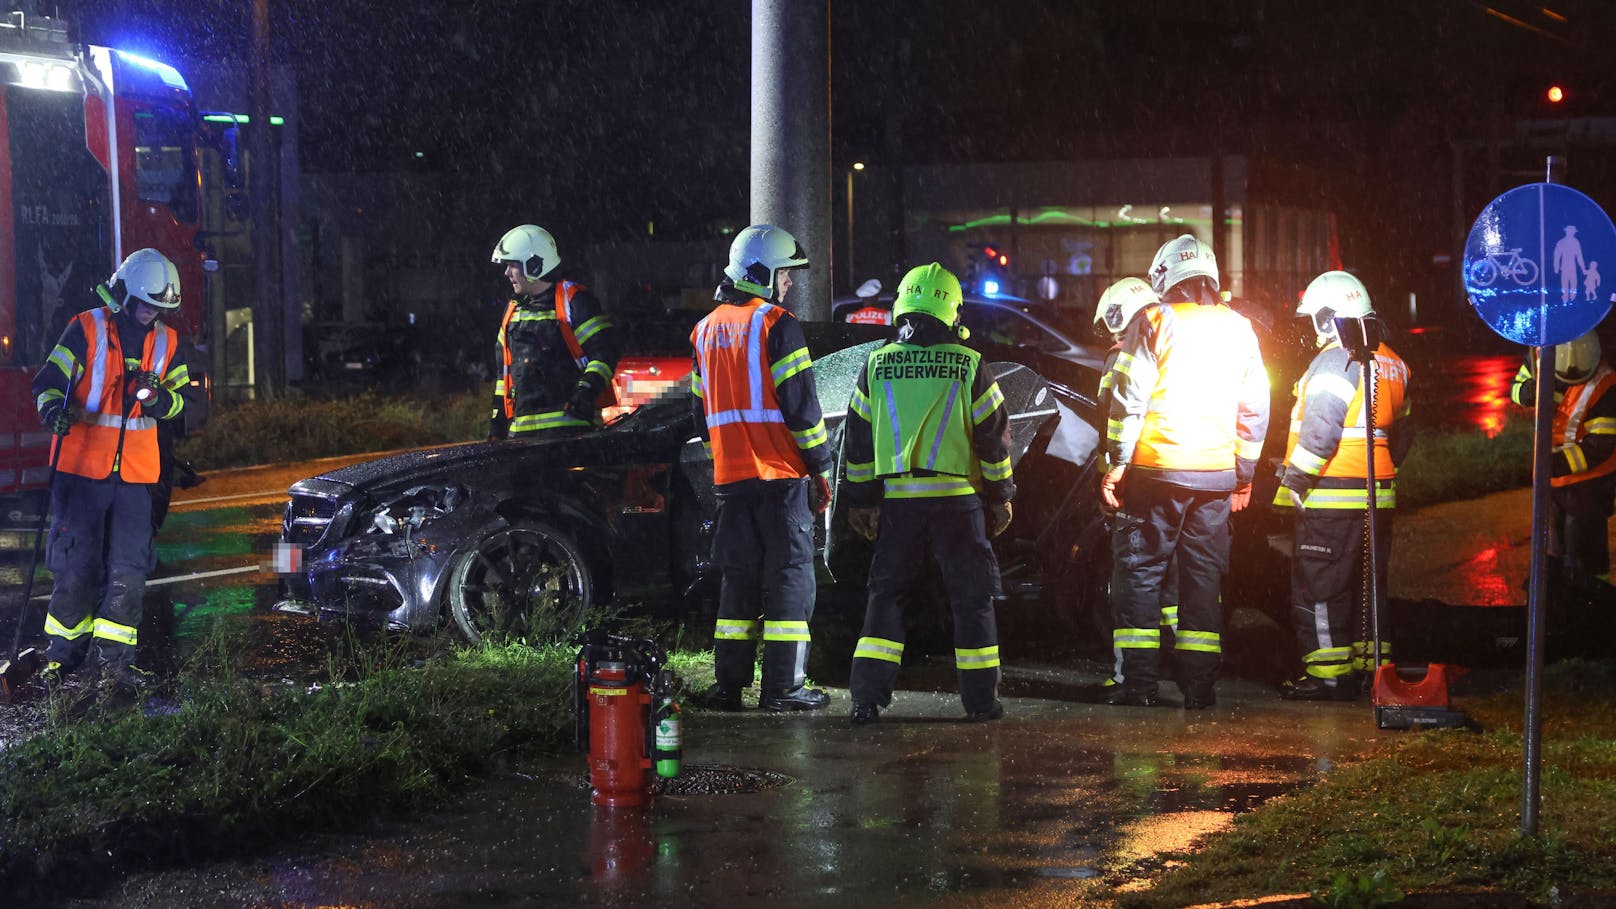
x: 92, y: 448
x: 1190, y: 423
x: 1391, y: 387
x: 564, y: 293
x: 749, y: 435
x: 1570, y: 427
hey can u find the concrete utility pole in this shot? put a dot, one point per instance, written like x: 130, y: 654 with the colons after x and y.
x: 267, y: 327
x: 790, y: 184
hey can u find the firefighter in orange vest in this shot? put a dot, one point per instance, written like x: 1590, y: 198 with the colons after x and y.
x: 1189, y: 410
x: 929, y: 477
x: 556, y: 349
x: 1326, y: 481
x: 111, y: 377
x: 757, y: 408
x: 1582, y: 478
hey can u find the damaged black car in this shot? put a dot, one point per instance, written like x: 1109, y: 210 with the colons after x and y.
x: 521, y: 538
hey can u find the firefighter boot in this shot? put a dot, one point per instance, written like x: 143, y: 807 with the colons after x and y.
x: 800, y: 698
x: 720, y: 697
x: 987, y: 714
x: 864, y: 714
x: 1309, y: 688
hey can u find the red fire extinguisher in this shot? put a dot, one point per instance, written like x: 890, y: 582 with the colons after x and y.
x: 623, y: 691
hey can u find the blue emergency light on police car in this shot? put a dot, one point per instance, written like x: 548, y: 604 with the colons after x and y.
x: 1532, y: 264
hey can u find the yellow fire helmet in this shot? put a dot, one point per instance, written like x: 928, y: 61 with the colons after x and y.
x: 930, y: 289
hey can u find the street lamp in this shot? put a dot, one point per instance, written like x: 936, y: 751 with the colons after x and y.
x: 852, y: 279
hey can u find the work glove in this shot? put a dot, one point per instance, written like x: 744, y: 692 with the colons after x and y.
x: 864, y: 521
x: 581, y: 405
x: 998, y: 517
x: 1111, y: 484
x: 1240, y: 498
x: 57, y: 417
x: 819, y: 493
x: 1298, y: 501
x: 498, y: 428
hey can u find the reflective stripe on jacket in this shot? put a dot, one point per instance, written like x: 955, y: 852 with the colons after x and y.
x: 1189, y: 395
x: 1327, y: 433
x: 104, y: 439
x: 574, y: 339
x: 1579, y: 417
x: 739, y: 393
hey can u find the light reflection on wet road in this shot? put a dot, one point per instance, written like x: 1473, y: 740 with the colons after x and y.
x: 1056, y: 803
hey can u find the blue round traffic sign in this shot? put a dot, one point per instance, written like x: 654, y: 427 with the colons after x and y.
x: 1531, y: 264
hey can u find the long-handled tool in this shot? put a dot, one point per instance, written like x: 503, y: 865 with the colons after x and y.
x: 16, y: 672
x: 1403, y: 699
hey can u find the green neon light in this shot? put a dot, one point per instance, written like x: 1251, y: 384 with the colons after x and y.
x: 1061, y: 216
x: 241, y: 118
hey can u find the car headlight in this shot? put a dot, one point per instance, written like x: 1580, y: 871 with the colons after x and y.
x: 417, y: 507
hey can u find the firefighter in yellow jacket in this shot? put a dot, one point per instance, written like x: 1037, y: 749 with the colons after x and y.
x: 110, y: 378
x: 1325, y: 481
x: 928, y: 475
x: 556, y: 347
x: 1189, y: 411
x: 1582, y: 475
x: 757, y: 407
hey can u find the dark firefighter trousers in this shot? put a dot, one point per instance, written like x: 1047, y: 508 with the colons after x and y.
x: 1161, y: 524
x: 100, y: 552
x: 951, y: 532
x: 1579, y: 529
x: 763, y: 541
x: 1328, y: 590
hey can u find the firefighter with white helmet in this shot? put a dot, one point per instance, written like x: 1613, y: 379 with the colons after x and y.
x: 1325, y: 481
x: 1582, y: 482
x: 1189, y: 410
x: 556, y: 348
x: 1118, y: 306
x: 114, y: 374
x: 925, y: 419
x: 757, y: 408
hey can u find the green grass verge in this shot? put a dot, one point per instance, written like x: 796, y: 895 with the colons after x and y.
x: 1449, y: 465
x: 295, y: 429
x: 1439, y: 810
x: 238, y: 762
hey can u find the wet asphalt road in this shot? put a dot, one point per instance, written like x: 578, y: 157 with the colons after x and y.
x: 1060, y: 802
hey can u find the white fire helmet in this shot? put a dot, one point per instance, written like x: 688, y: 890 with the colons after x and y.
x: 1119, y: 303
x: 1575, y: 360
x: 529, y: 246
x: 148, y: 275
x: 757, y: 253
x: 1181, y: 259
x: 1333, y: 294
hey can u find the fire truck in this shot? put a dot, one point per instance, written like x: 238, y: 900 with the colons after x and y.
x: 98, y: 158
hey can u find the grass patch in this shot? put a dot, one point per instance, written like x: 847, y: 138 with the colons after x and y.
x: 236, y: 762
x: 1439, y: 810
x: 1428, y: 474
x: 295, y: 429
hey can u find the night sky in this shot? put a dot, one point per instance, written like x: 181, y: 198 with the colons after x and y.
x: 617, y: 112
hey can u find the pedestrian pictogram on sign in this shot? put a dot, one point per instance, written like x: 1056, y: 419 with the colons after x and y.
x: 1531, y: 264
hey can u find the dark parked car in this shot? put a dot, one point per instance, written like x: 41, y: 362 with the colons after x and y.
x: 520, y: 538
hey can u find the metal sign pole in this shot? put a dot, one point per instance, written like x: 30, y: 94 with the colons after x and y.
x: 1536, y: 606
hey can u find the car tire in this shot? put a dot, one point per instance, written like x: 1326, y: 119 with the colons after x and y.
x: 528, y: 581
